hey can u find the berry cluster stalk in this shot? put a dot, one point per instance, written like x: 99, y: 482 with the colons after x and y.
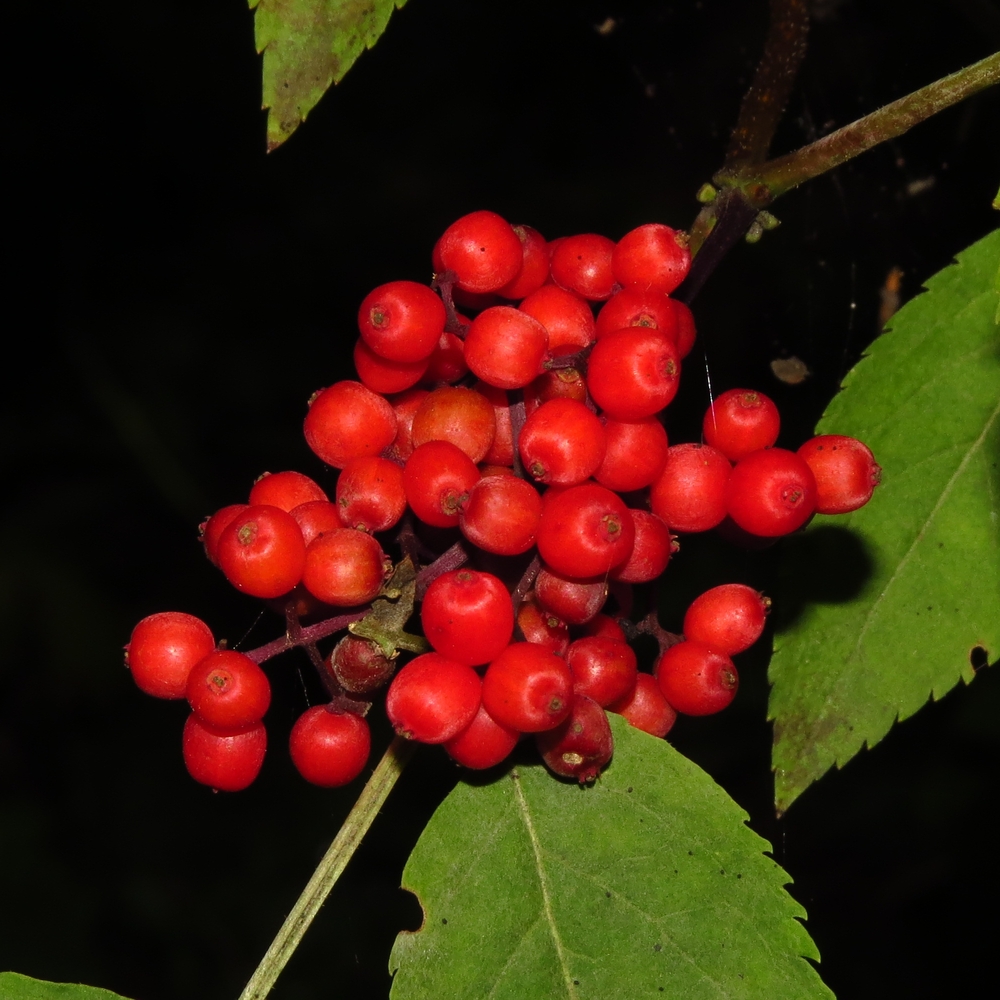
x: 350, y: 835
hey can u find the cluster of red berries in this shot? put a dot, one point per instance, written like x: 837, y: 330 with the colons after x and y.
x: 527, y: 445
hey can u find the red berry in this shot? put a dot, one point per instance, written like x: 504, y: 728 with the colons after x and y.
x: 542, y: 627
x: 651, y: 552
x: 581, y: 746
x: 645, y: 707
x: 346, y: 421
x: 566, y: 317
x: 344, y: 568
x: 771, y: 492
x: 845, y: 470
x: 603, y: 669
x: 570, y: 599
x: 384, y: 376
x: 637, y: 305
x: 501, y: 515
x: 483, y: 743
x: 316, y: 517
x: 633, y: 373
x: 582, y: 264
x: 690, y: 493
x: 358, y: 665
x: 562, y: 442
x: 482, y: 249
x: 653, y: 256
x: 467, y: 616
x: 163, y: 649
x: 730, y: 618
x: 528, y: 688
x: 741, y: 421
x: 462, y: 416
x: 370, y: 494
x: 210, y: 529
x: 228, y: 690
x: 696, y: 679
x: 437, y: 479
x: 329, y: 749
x: 505, y: 347
x: 262, y: 552
x: 584, y: 531
x: 226, y: 760
x: 534, y: 271
x: 634, y: 456
x: 285, y: 490
x: 401, y: 321
x: 432, y: 699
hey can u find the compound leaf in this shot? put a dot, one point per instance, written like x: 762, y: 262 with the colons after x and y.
x: 886, y: 606
x: 649, y: 884
x: 14, y: 986
x: 307, y: 45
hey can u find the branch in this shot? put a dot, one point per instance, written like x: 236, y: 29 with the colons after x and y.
x: 360, y: 818
x: 786, y: 172
x: 765, y: 101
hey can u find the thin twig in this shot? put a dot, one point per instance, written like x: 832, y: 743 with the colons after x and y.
x: 360, y: 818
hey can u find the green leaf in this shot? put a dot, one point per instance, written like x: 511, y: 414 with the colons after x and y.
x: 307, y: 45
x: 17, y: 987
x: 649, y: 880
x: 889, y: 602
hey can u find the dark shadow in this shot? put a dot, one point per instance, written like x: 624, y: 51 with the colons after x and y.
x: 828, y: 565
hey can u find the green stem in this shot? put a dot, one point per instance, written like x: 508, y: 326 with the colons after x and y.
x: 769, y: 180
x: 360, y: 818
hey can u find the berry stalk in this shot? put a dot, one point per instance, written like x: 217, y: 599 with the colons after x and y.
x: 348, y: 838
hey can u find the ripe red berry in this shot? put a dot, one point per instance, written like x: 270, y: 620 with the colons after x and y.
x: 482, y: 249
x: 729, y: 618
x: 329, y: 749
x: 542, y: 627
x: 462, y: 416
x: 211, y: 528
x: 432, y: 699
x: 651, y: 552
x: 581, y: 746
x: 528, y: 688
x: 771, y: 492
x: 228, y: 690
x: 570, y: 599
x: 370, y: 494
x: 346, y: 421
x: 226, y: 760
x: 505, y: 347
x: 285, y: 490
x: 437, y: 479
x: 262, y: 552
x: 653, y: 256
x: 741, y: 421
x: 562, y: 442
x: 163, y: 649
x: 384, y: 376
x: 645, y: 707
x: 603, y: 669
x: 401, y: 321
x: 635, y: 454
x: 534, y: 271
x: 483, y: 743
x: 845, y: 469
x: 584, y: 531
x: 566, y: 317
x: 696, y: 679
x: 467, y: 616
x: 636, y: 305
x: 690, y: 493
x: 501, y: 515
x: 633, y: 373
x: 344, y: 568
x: 316, y: 517
x: 582, y: 264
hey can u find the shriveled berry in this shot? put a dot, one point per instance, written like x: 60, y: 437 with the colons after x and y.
x: 581, y: 746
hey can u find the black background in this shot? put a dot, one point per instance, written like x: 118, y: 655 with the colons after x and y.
x: 177, y: 295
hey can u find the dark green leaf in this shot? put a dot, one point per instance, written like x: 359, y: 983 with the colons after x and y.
x: 307, y: 45
x: 17, y: 987
x: 649, y: 881
x: 888, y: 603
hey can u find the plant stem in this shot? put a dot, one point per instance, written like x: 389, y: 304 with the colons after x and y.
x: 786, y: 172
x: 360, y: 818
x: 765, y: 101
